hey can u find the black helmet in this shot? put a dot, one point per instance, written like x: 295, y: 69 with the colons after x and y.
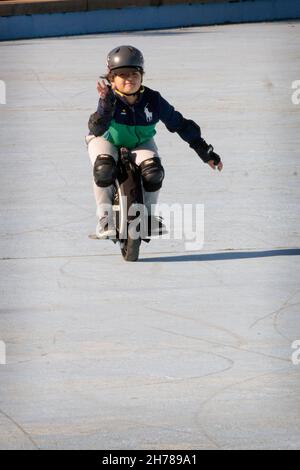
x: 125, y: 56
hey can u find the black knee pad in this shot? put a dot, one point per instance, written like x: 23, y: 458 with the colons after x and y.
x: 105, y: 170
x: 152, y: 173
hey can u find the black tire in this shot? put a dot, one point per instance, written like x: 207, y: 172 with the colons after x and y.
x: 131, y: 249
x: 127, y: 184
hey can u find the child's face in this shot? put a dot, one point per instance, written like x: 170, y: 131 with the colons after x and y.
x: 127, y: 80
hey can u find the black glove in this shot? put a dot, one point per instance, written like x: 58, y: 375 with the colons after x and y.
x: 100, y: 120
x: 205, y: 151
x: 108, y: 103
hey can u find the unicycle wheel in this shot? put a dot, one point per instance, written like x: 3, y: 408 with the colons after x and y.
x: 130, y: 249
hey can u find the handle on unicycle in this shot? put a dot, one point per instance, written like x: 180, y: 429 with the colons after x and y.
x: 124, y: 153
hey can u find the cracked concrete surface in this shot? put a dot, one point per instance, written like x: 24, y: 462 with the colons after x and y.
x: 182, y: 350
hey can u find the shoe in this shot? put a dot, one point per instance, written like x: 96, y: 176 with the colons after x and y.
x: 105, y: 228
x: 156, y: 225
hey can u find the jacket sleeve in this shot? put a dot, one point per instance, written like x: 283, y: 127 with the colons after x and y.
x: 187, y: 129
x: 100, y: 120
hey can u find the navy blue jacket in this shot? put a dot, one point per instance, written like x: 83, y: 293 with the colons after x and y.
x: 129, y: 126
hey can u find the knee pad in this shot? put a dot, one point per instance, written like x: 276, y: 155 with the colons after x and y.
x: 105, y: 170
x: 152, y: 173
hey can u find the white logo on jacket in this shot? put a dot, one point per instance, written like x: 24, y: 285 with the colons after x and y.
x: 148, y: 113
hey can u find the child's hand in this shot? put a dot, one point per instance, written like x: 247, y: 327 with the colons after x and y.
x: 213, y: 166
x: 207, y: 154
x: 103, y: 89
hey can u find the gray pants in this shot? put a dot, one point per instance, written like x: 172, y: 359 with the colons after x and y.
x: 103, y: 196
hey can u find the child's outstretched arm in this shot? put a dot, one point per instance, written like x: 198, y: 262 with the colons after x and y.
x: 100, y: 120
x: 190, y: 132
x: 207, y: 154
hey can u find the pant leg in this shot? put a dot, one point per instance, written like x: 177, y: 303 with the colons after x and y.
x: 103, y: 196
x: 143, y: 152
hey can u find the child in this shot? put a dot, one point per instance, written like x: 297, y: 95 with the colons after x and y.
x: 126, y: 117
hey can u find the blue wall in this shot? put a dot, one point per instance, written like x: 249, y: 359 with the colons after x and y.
x: 139, y: 18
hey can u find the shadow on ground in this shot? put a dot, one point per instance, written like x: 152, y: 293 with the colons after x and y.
x: 223, y: 256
